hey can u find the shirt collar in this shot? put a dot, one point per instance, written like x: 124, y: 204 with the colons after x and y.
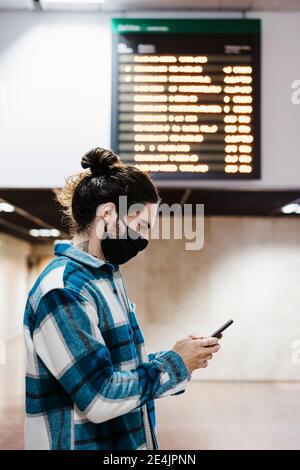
x: 66, y: 248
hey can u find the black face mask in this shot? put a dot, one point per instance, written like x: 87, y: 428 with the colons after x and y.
x: 120, y: 250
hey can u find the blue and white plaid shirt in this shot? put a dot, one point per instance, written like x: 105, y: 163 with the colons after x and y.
x: 90, y: 383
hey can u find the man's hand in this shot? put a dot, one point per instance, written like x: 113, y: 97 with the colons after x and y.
x: 196, y: 351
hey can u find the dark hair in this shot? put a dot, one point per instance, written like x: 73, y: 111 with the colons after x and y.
x: 106, y: 180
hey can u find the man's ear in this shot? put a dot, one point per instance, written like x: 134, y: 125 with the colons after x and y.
x: 107, y: 212
x: 106, y: 215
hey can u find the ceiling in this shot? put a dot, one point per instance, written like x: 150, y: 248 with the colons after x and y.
x: 130, y: 5
x: 202, y: 4
x: 37, y: 208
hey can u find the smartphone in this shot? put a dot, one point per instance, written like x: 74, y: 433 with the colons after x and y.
x: 217, y: 333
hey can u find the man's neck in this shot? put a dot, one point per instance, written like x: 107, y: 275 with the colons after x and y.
x: 88, y: 245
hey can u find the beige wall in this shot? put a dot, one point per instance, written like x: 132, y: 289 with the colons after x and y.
x: 14, y: 278
x: 249, y: 270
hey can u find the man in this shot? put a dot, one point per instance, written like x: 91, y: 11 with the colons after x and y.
x: 90, y: 383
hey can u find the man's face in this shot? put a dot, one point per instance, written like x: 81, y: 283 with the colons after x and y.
x: 139, y: 218
x: 141, y: 221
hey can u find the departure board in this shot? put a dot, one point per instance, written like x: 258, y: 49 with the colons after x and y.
x: 186, y: 97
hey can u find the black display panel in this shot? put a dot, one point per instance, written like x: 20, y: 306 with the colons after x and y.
x: 186, y: 97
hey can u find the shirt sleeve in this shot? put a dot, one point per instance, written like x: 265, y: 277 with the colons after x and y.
x: 179, y: 388
x: 68, y: 340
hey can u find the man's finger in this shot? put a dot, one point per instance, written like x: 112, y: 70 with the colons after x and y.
x: 212, y: 349
x: 195, y: 336
x: 208, y: 342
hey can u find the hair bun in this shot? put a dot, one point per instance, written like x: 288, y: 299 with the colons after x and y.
x: 100, y: 161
